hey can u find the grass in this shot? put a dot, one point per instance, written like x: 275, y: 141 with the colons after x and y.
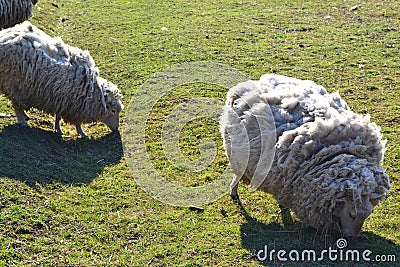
x: 67, y: 201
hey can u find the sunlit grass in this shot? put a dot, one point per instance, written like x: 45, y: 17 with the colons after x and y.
x: 65, y: 201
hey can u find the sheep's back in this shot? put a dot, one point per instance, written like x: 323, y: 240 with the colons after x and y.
x: 43, y: 72
x: 295, y: 105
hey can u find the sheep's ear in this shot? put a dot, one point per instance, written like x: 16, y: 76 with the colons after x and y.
x: 117, y: 94
x: 106, y: 95
x: 375, y: 195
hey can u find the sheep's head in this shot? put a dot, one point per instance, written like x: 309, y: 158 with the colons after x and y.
x: 349, y: 215
x: 113, y: 105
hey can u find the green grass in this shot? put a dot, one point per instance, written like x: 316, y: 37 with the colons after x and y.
x: 66, y: 201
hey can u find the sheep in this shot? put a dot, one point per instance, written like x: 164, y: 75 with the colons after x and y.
x: 326, y: 160
x: 42, y: 72
x: 13, y: 12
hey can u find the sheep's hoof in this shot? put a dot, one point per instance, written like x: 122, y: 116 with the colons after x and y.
x: 287, y: 220
x: 23, y: 124
x: 80, y: 131
x: 286, y: 216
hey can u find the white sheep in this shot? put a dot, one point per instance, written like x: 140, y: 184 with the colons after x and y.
x: 39, y: 71
x: 327, y: 162
x: 13, y: 12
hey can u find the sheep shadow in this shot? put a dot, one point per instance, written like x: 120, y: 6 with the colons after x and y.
x: 259, y: 238
x: 36, y: 156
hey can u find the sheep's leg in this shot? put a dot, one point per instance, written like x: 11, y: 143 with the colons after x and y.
x: 20, y: 113
x: 79, y: 130
x: 286, y: 217
x: 57, y: 127
x: 26, y: 117
x: 234, y: 188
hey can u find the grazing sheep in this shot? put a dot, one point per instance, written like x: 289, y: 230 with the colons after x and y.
x: 42, y: 72
x: 327, y: 162
x: 13, y: 12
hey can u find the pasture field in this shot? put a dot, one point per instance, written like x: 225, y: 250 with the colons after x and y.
x: 67, y: 201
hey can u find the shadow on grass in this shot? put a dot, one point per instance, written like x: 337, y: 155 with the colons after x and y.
x: 257, y: 236
x: 37, y: 156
